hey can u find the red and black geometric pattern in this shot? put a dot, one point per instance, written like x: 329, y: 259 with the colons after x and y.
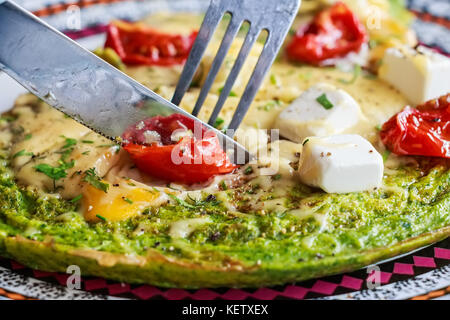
x: 432, y: 27
x: 406, y: 267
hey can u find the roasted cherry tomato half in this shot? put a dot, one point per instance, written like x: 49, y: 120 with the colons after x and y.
x: 176, y: 148
x: 137, y: 44
x: 333, y: 33
x: 422, y: 131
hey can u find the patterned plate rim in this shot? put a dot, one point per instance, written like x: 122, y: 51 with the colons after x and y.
x: 418, y: 285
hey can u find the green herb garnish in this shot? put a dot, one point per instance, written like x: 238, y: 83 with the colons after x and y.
x: 22, y: 153
x: 248, y: 170
x: 127, y: 200
x: 181, y: 202
x: 27, y: 136
x: 77, y: 198
x: 59, y: 172
x: 274, y: 79
x: 94, y: 180
x: 223, y: 185
x: 87, y: 141
x: 277, y: 177
x: 55, y: 173
x: 270, y: 105
x: 305, y: 142
x: 100, y: 217
x: 323, y: 100
x: 218, y: 123
x: 356, y: 73
x: 69, y: 142
x: 8, y: 118
x: 386, y: 155
x: 232, y: 93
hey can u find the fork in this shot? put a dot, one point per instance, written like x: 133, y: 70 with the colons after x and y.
x: 273, y: 16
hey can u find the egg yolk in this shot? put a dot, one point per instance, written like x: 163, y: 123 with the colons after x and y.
x: 119, y: 203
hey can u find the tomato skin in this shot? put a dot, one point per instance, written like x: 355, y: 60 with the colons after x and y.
x: 139, y: 45
x: 194, y: 159
x: 424, y: 131
x: 333, y: 33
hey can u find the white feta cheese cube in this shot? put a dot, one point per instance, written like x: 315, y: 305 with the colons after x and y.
x: 340, y: 164
x: 419, y: 74
x: 308, y: 117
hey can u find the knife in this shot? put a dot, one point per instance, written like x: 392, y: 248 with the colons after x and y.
x: 78, y: 83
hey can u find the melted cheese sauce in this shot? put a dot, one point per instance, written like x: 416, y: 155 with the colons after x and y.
x: 131, y: 191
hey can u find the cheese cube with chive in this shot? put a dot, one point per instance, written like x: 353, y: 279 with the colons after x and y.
x: 420, y: 74
x: 319, y: 111
x: 340, y: 164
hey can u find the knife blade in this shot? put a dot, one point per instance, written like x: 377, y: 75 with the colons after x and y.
x: 78, y: 83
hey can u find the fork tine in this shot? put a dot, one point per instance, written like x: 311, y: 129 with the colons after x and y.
x: 212, y: 18
x: 250, y: 39
x: 230, y: 34
x: 262, y: 67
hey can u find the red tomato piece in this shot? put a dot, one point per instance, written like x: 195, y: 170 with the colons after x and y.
x: 195, y: 158
x: 137, y: 44
x: 424, y: 131
x: 333, y: 33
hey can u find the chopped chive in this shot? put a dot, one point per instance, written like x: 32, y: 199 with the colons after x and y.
x: 22, y: 153
x: 69, y: 142
x: 181, y: 202
x: 356, y: 73
x: 323, y: 100
x: 85, y: 153
x: 232, y: 93
x: 218, y: 123
x: 274, y: 79
x: 94, y: 180
x: 100, y: 217
x: 87, y: 141
x: 386, y: 155
x: 305, y: 142
x: 248, y: 170
x: 77, y: 198
x: 27, y: 136
x: 270, y: 105
x: 127, y: 200
x: 223, y: 185
x: 277, y: 177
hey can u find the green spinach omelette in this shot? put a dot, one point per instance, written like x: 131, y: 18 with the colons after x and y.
x: 335, y: 192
